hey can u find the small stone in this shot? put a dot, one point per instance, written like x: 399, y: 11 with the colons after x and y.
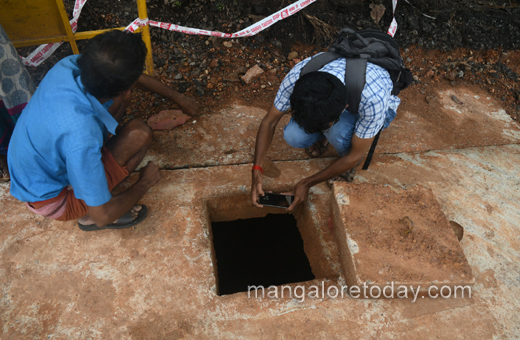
x: 451, y: 75
x: 178, y: 76
x: 228, y: 44
x: 455, y: 99
x: 263, y: 86
x: 233, y: 77
x: 415, y: 78
x: 214, y: 63
x: 167, y: 119
x: 277, y: 43
x: 252, y: 73
x: 292, y: 55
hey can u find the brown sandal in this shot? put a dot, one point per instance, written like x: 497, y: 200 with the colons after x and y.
x: 321, y: 148
x: 346, y: 176
x: 4, y: 169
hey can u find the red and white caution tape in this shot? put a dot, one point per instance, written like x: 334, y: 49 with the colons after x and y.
x: 246, y: 32
x: 136, y: 24
x: 42, y: 52
x: 393, y: 25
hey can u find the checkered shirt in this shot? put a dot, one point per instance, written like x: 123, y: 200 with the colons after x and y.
x: 376, y: 97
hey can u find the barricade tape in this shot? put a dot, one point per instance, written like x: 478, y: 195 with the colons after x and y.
x: 44, y: 51
x: 393, y: 25
x: 246, y: 32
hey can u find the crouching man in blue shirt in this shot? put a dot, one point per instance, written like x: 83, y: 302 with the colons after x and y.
x: 62, y: 162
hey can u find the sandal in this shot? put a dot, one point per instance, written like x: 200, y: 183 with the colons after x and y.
x: 125, y: 221
x: 4, y: 170
x: 346, y: 177
x: 320, y: 147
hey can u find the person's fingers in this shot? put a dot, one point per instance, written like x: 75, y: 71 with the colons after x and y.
x: 254, y: 199
x: 293, y: 205
x: 288, y: 193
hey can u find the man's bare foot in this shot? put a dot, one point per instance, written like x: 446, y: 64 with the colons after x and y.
x: 317, y: 149
x: 188, y: 106
x: 85, y: 220
x: 4, y: 169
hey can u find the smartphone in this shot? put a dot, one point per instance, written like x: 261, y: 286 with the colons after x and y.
x: 276, y: 200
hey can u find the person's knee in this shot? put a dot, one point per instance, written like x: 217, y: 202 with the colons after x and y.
x: 139, y: 132
x: 295, y: 138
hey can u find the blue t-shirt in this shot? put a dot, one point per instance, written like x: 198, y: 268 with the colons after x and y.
x: 58, y: 139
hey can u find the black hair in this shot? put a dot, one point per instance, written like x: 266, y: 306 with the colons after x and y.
x: 111, y: 63
x: 318, y: 99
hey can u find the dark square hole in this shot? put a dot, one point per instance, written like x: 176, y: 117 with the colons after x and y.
x: 259, y: 251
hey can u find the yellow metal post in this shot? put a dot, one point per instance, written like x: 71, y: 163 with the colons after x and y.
x: 66, y: 24
x: 143, y: 14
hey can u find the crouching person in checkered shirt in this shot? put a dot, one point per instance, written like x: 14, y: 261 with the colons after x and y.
x: 320, y: 117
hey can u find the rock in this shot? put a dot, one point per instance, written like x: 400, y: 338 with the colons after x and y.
x: 214, y: 63
x: 377, y: 12
x: 276, y: 43
x: 241, y: 70
x: 415, y: 78
x: 233, y: 77
x: 451, y: 75
x: 227, y: 44
x: 292, y: 55
x: 431, y: 99
x: 252, y: 73
x: 455, y: 99
x: 167, y: 119
x: 178, y: 76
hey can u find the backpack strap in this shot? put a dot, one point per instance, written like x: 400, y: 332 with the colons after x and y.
x: 355, y: 78
x: 319, y: 61
x: 371, y: 151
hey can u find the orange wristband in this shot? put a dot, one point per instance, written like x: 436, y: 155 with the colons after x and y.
x: 258, y: 167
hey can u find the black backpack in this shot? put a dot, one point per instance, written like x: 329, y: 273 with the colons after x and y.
x: 359, y: 48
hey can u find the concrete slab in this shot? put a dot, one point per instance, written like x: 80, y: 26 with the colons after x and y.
x: 391, y: 237
x: 228, y: 137
x: 448, y: 118
x: 156, y: 281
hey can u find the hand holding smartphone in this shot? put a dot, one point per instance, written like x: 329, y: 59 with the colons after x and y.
x: 276, y: 200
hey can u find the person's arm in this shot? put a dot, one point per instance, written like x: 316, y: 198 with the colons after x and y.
x: 120, y: 204
x: 264, y: 138
x: 188, y: 105
x: 343, y: 164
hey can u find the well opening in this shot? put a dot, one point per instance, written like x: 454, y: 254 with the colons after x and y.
x: 259, y: 251
x: 252, y: 246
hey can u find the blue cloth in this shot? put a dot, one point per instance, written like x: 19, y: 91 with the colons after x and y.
x: 376, y: 98
x: 58, y: 139
x: 339, y: 135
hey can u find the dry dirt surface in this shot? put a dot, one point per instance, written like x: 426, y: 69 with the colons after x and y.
x: 444, y: 43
